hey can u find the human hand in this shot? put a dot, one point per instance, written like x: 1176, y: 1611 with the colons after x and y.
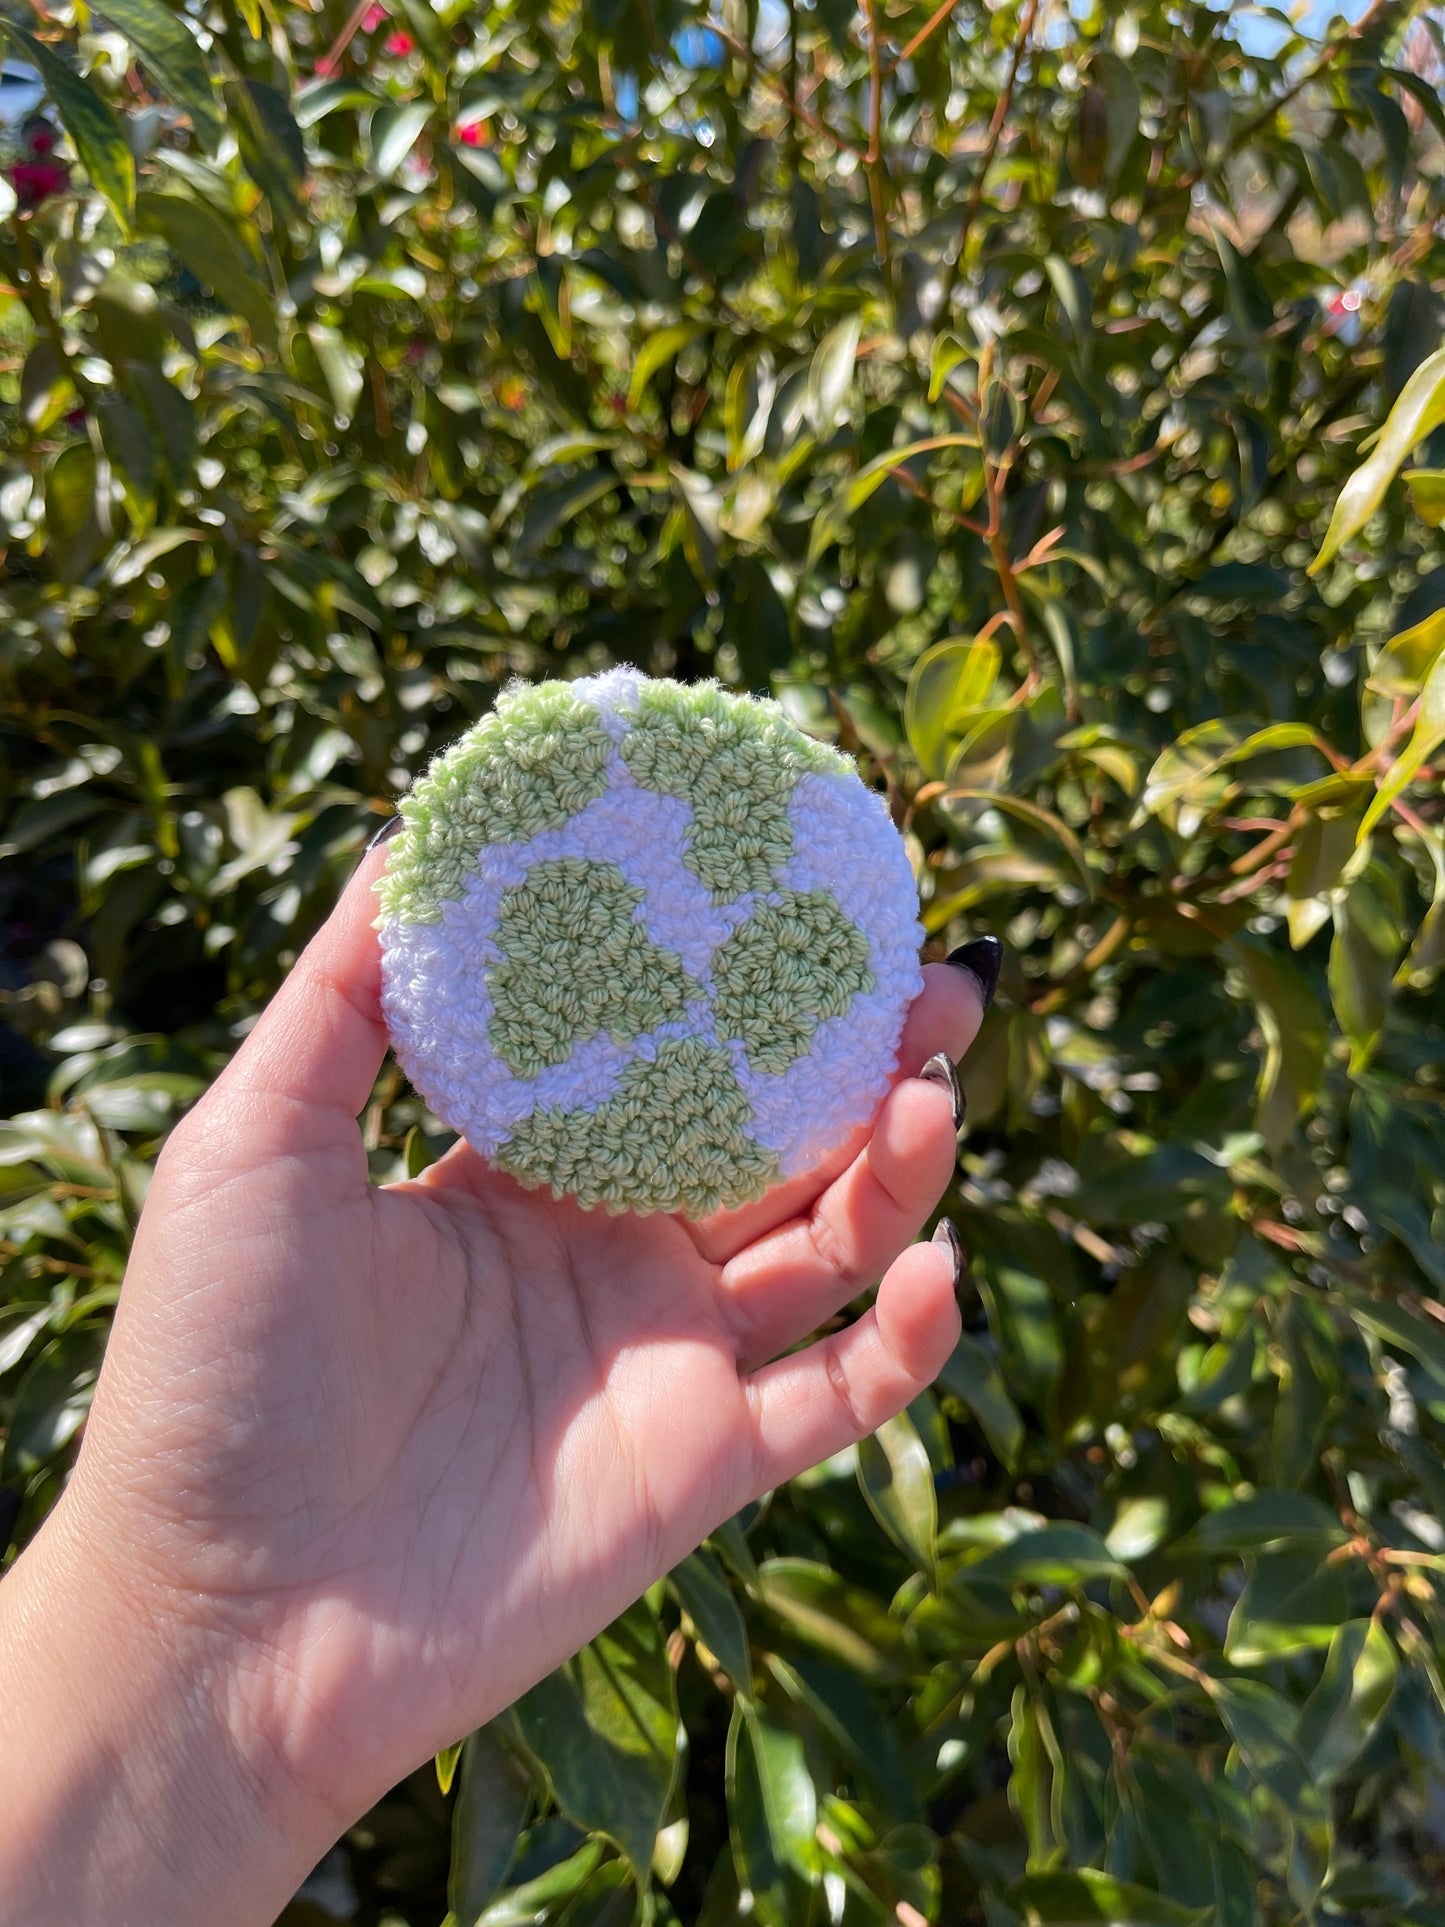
x: 365, y: 1463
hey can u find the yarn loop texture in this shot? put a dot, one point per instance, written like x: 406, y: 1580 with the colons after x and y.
x: 647, y: 943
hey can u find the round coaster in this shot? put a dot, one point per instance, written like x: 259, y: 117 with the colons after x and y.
x: 647, y: 943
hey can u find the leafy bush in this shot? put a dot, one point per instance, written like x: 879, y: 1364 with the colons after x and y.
x: 982, y: 383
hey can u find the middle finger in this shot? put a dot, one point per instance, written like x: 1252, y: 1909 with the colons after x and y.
x: 944, y: 1016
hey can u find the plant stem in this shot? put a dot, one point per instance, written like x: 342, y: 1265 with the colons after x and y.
x: 873, y: 160
x: 995, y: 134
x: 935, y: 21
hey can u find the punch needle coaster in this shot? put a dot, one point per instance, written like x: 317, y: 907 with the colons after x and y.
x: 647, y: 943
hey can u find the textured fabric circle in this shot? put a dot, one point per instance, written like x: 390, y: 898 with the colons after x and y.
x: 647, y: 943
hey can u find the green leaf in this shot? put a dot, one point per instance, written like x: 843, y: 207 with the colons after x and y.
x: 747, y: 405
x: 1421, y: 1338
x: 708, y: 1600
x: 1036, y: 817
x: 51, y: 1401
x: 1298, y: 1810
x: 1418, y: 412
x: 1427, y: 494
x: 1024, y: 1318
x: 168, y: 47
x: 972, y: 1375
x: 89, y: 122
x: 943, y: 357
x: 1038, y: 1781
x: 1322, y: 848
x: 949, y: 684
x: 1266, y: 1519
x: 1363, y: 957
x: 846, y: 1622
x: 1061, y: 1554
x: 446, y: 1765
x: 1089, y: 1898
x: 551, y: 509
x: 312, y: 103
x: 1399, y: 673
x: 1425, y: 739
x: 20, y: 1324
x: 1291, y: 1603
x: 1309, y: 1353
x: 1426, y: 954
x: 214, y: 254
x: 700, y: 505
x: 1337, y: 1720
x: 605, y: 1728
x: 831, y: 375
x: 833, y: 524
x: 656, y: 352
x: 393, y: 131
x: 1261, y: 1724
x: 73, y: 531
x: 494, y: 1797
x: 1294, y: 1038
x: 1207, y: 748
x: 530, y: 1901
x: 341, y: 365
x: 1073, y: 295
x: 271, y: 145
x: 897, y: 1481
x: 772, y: 1815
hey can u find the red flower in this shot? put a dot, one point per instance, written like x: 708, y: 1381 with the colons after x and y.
x: 35, y: 181
x: 473, y: 133
x: 373, y: 17
x: 399, y: 43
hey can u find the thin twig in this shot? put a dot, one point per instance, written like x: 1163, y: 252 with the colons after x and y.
x: 873, y: 160
x: 934, y: 22
x: 995, y: 134
x: 327, y: 63
x: 954, y: 515
x: 993, y: 474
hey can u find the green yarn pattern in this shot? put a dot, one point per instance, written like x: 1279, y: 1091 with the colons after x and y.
x: 782, y: 972
x: 570, y: 959
x: 576, y: 962
x: 738, y: 764
x: 673, y: 1138
x: 537, y: 759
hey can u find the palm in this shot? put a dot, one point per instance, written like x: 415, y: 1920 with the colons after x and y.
x: 435, y: 1436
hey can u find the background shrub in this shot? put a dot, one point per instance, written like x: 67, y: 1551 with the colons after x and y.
x: 980, y: 381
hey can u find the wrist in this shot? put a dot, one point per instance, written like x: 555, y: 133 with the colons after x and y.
x: 132, y: 1788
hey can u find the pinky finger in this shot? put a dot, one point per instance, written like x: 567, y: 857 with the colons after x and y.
x: 835, y: 1392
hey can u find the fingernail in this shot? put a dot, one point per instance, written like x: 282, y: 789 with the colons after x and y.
x: 945, y: 1235
x: 384, y: 835
x: 940, y: 1070
x: 984, y: 958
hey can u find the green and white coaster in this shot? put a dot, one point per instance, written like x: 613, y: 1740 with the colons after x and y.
x: 647, y: 943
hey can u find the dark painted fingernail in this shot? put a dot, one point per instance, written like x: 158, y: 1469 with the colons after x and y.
x: 384, y: 835
x: 940, y: 1070
x: 945, y: 1235
x: 984, y: 957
